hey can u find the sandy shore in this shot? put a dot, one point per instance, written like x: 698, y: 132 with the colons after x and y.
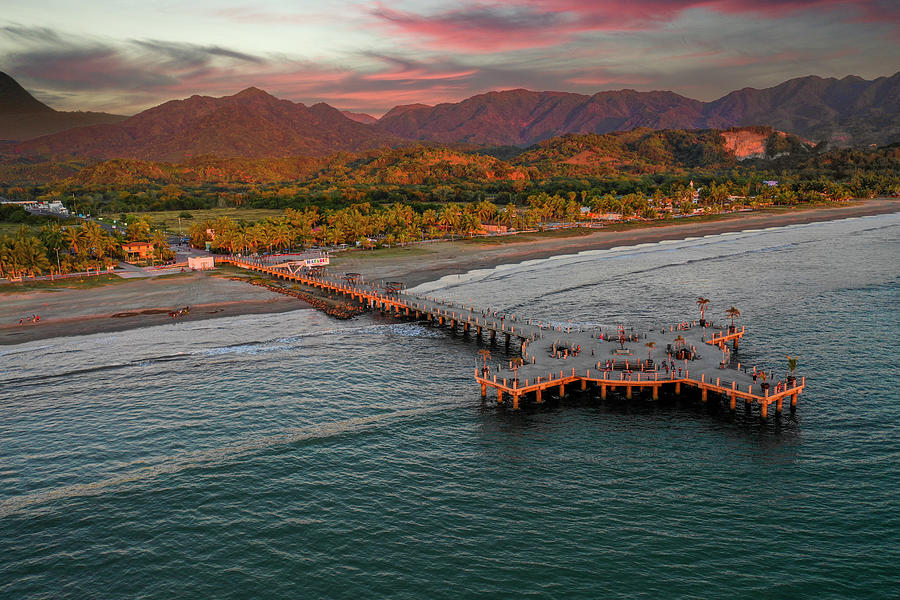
x: 131, y: 304
x: 146, y: 302
x: 428, y: 262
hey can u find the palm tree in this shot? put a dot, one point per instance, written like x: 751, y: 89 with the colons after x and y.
x: 160, y: 244
x: 30, y: 255
x: 516, y: 363
x: 75, y: 240
x: 650, y: 347
x: 486, y: 211
x: 449, y: 219
x: 485, y: 356
x: 702, y: 302
x: 792, y: 362
x: 733, y: 313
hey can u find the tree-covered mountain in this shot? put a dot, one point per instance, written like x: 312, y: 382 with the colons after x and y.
x: 848, y: 111
x: 251, y: 124
x: 23, y: 117
x: 254, y: 124
x: 627, y: 154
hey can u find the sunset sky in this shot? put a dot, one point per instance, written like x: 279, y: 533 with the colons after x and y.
x: 124, y: 56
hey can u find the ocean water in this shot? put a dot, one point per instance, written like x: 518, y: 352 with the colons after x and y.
x: 292, y: 455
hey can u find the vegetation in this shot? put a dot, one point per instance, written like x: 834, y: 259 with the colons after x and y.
x: 792, y: 362
x: 732, y: 313
x: 397, y: 196
x: 701, y: 303
x: 55, y: 248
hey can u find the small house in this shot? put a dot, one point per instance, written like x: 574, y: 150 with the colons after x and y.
x: 137, y: 251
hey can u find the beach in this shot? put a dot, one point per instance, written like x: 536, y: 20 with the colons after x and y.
x: 146, y: 302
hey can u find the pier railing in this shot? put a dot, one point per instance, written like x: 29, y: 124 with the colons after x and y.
x: 530, y: 379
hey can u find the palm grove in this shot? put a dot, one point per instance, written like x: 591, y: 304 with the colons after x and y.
x: 56, y: 248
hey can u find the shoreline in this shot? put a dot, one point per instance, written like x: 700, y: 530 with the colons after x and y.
x: 463, y: 256
x: 71, y: 311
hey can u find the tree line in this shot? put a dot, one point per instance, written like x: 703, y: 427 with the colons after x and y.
x: 57, y: 249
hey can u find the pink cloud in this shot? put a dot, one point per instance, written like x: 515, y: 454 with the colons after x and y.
x: 489, y: 27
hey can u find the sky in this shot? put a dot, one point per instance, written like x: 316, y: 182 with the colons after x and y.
x: 124, y: 56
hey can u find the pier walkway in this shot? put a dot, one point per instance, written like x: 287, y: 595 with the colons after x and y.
x: 553, y: 359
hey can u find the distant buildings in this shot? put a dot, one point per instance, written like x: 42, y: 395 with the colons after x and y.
x: 54, y: 208
x: 137, y: 251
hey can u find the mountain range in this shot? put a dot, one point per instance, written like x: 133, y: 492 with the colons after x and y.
x: 250, y: 124
x: 23, y: 117
x: 843, y: 111
x: 254, y: 124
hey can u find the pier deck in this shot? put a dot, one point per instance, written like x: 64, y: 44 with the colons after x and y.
x: 607, y: 358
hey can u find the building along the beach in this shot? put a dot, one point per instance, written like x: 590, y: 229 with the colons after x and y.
x: 136, y: 251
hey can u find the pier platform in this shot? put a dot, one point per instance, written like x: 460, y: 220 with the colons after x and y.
x: 680, y: 357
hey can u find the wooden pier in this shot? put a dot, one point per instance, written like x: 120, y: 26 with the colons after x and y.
x: 679, y: 357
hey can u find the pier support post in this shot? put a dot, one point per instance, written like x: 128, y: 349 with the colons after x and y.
x: 764, y: 409
x: 499, y: 396
x: 732, y: 403
x: 678, y: 387
x: 656, y: 392
x: 779, y: 406
x: 628, y: 392
x: 735, y: 345
x: 562, y: 390
x: 483, y: 390
x: 602, y: 392
x: 515, y: 402
x: 583, y: 385
x: 537, y: 396
x: 703, y: 395
x: 794, y: 402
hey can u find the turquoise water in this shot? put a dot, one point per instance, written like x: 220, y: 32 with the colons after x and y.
x: 291, y: 455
